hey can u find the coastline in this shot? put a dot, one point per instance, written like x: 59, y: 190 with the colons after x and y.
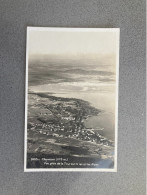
x: 59, y: 126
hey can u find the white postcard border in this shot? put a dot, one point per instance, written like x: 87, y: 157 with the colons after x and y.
x: 61, y: 29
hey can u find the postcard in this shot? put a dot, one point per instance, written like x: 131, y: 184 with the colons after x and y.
x: 71, y: 99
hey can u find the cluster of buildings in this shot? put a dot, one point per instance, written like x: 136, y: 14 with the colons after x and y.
x: 66, y: 120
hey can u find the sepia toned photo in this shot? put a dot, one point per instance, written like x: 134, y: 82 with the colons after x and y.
x: 71, y: 103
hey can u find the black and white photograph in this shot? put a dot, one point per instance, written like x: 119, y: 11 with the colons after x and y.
x: 71, y: 103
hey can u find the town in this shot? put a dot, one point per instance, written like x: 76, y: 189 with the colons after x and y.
x: 63, y: 117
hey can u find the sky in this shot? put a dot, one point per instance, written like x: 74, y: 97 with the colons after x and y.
x: 72, y: 57
x: 71, y: 43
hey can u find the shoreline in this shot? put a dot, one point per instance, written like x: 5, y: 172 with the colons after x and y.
x: 56, y: 125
